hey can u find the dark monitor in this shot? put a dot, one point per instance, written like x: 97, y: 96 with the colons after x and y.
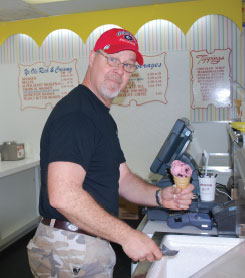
x: 174, y: 148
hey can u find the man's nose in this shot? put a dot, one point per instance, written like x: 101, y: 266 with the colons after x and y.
x: 120, y: 68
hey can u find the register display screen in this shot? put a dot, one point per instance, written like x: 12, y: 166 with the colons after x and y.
x: 173, y: 147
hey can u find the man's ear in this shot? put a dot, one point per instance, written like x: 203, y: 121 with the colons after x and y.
x: 92, y: 55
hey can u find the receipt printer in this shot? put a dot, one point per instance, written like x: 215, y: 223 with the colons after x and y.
x: 227, y: 217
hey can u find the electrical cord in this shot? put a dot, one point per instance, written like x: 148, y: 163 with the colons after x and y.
x: 220, y: 191
x: 223, y: 187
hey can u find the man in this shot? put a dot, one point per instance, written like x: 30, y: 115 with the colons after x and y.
x: 83, y: 170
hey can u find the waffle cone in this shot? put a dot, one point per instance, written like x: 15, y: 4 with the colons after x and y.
x: 181, y: 182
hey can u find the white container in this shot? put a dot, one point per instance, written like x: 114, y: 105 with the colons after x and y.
x: 207, y: 186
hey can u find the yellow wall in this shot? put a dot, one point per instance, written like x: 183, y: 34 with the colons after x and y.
x: 243, y: 13
x: 182, y: 14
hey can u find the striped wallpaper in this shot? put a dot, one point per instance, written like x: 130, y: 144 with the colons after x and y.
x: 208, y: 33
x: 160, y: 35
x: 218, y: 32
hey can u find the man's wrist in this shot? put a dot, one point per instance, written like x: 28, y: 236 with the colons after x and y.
x: 158, y: 198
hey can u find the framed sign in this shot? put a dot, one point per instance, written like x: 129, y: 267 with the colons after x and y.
x: 40, y: 84
x: 148, y: 83
x: 211, y: 78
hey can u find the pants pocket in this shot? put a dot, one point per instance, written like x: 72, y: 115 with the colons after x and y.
x: 39, y: 260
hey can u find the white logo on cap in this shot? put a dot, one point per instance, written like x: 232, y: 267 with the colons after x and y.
x: 107, y: 46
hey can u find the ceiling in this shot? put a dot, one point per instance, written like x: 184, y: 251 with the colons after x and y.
x: 11, y: 10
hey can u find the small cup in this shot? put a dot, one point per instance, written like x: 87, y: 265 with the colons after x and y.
x: 28, y: 150
x: 207, y: 188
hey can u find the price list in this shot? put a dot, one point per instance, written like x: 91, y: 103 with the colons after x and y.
x: 40, y: 84
x: 148, y: 83
x: 211, y: 78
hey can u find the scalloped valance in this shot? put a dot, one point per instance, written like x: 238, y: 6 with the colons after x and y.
x: 182, y: 14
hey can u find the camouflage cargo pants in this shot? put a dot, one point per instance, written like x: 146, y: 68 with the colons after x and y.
x: 61, y: 254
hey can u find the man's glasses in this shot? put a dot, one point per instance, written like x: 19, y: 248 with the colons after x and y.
x: 114, y: 62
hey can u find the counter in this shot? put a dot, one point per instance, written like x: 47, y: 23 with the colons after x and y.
x: 12, y: 167
x: 217, y: 256
x: 19, y: 195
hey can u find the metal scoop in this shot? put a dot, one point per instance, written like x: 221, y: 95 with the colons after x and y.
x: 166, y: 251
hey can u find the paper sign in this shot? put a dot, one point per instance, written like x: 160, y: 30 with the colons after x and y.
x: 211, y: 78
x: 148, y: 83
x: 41, y: 84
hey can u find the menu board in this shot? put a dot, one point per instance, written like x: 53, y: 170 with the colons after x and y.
x: 148, y: 83
x: 211, y: 78
x: 40, y: 84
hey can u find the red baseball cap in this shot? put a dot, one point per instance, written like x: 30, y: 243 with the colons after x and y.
x: 115, y: 40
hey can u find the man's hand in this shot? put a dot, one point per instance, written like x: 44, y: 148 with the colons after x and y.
x: 139, y: 247
x: 176, y: 198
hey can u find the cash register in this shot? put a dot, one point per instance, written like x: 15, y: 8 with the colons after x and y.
x: 200, y: 214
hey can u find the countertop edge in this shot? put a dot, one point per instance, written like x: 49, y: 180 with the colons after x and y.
x: 12, y: 167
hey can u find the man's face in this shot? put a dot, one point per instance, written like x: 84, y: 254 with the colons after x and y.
x: 108, y: 81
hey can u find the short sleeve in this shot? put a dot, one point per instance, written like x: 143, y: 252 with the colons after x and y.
x: 72, y: 139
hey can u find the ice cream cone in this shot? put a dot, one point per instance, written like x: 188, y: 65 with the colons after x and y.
x: 181, y: 182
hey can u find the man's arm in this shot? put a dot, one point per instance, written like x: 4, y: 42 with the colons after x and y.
x: 136, y: 190
x: 66, y: 194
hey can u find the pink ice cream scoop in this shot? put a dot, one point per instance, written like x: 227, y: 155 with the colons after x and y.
x: 180, y: 169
